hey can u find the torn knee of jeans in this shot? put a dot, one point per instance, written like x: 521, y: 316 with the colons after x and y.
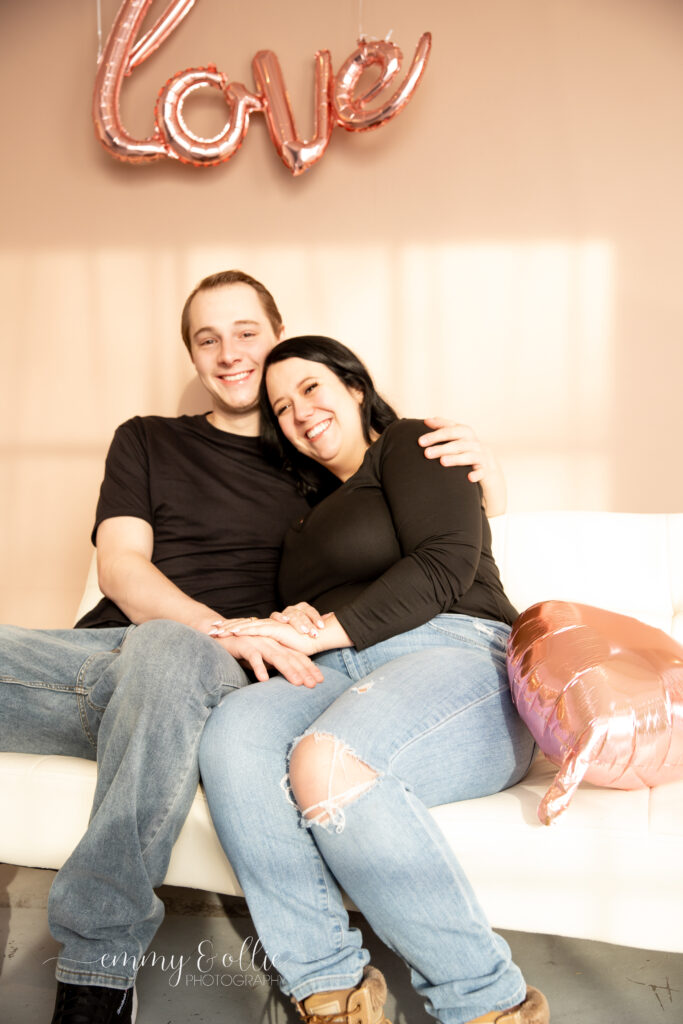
x: 327, y: 780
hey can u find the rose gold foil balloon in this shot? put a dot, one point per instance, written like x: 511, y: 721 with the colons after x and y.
x: 161, y: 30
x: 115, y: 64
x: 602, y: 695
x: 296, y: 154
x: 171, y: 135
x: 351, y: 110
x: 182, y: 143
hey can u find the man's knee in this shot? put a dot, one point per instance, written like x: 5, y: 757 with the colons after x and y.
x: 180, y: 659
x: 165, y: 637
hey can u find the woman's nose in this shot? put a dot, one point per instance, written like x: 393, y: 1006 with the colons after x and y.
x: 302, y: 408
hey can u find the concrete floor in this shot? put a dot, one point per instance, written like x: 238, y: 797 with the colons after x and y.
x: 585, y: 982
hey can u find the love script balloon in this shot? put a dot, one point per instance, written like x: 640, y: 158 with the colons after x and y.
x: 602, y: 695
x: 336, y: 99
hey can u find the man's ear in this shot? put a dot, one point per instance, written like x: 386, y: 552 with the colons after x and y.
x: 281, y: 333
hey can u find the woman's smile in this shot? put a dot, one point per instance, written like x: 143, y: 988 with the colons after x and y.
x: 318, y: 413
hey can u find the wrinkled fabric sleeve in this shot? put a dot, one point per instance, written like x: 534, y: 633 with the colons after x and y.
x: 437, y: 515
x: 125, y: 489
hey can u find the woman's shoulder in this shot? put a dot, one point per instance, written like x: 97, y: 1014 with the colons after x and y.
x: 402, y: 433
x: 396, y: 447
x: 403, y: 429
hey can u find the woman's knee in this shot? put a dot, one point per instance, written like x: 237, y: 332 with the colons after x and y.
x: 325, y: 776
x: 228, y: 736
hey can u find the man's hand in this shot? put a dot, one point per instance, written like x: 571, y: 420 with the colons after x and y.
x: 456, y: 444
x: 257, y: 651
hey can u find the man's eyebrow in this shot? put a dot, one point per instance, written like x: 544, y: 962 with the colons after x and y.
x: 235, y: 323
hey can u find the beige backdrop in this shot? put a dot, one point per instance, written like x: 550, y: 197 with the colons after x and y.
x: 508, y: 250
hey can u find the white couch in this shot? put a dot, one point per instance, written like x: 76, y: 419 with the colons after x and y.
x: 611, y: 868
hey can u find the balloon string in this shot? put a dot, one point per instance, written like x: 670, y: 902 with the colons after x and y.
x: 99, y: 31
x: 361, y: 34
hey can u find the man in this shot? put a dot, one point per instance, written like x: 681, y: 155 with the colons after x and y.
x: 188, y: 530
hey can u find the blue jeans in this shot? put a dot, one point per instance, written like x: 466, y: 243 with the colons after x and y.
x: 136, y: 699
x: 433, y: 717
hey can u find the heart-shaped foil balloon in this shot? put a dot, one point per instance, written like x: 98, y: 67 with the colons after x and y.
x: 602, y: 695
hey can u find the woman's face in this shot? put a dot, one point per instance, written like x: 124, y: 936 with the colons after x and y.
x: 318, y: 414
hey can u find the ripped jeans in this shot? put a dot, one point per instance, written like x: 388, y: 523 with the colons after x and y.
x: 429, y: 711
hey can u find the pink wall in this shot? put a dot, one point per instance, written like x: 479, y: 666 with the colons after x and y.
x: 508, y: 250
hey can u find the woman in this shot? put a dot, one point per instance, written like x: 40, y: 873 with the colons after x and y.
x: 415, y: 624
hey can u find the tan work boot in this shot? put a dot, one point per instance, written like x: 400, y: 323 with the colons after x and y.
x: 363, y: 1004
x: 534, y: 1010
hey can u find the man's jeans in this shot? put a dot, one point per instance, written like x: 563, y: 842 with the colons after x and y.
x: 136, y: 699
x: 430, y: 711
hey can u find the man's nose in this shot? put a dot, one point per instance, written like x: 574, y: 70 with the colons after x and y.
x: 229, y: 352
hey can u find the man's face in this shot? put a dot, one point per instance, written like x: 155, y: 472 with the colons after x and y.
x: 231, y: 336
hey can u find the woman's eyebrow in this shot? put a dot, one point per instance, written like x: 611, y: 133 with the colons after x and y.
x: 281, y: 398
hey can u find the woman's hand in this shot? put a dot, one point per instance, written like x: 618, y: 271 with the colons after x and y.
x: 331, y: 636
x: 225, y: 627
x: 302, y: 616
x: 284, y: 632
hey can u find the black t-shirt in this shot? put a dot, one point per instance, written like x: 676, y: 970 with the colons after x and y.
x: 219, y: 511
x: 401, y: 541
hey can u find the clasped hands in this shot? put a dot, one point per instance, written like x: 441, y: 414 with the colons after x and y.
x: 286, y: 640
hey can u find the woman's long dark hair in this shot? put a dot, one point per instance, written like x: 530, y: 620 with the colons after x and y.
x: 376, y: 414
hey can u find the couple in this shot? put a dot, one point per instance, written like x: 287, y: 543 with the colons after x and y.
x: 189, y: 526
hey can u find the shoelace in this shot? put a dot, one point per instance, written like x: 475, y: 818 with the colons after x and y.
x: 329, y: 1018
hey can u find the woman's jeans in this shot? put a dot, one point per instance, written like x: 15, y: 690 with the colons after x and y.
x: 430, y: 712
x: 137, y: 700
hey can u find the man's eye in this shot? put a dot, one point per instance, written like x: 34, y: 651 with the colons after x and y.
x: 207, y: 341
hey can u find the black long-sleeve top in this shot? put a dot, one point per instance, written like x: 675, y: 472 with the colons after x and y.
x: 399, y: 542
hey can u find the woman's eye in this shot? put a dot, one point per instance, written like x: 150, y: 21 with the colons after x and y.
x: 310, y: 388
x: 279, y: 411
